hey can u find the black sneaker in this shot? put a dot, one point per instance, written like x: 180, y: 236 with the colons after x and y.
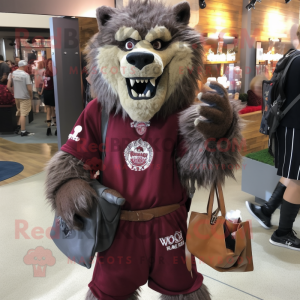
x: 256, y: 212
x: 26, y: 133
x: 49, y: 131
x: 289, y: 241
x: 18, y: 129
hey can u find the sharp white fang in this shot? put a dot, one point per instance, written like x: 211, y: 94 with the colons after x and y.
x: 137, y: 81
x: 140, y: 95
x: 132, y: 81
x: 146, y: 80
x: 152, y: 81
x: 142, y: 80
x: 148, y: 94
x: 134, y: 94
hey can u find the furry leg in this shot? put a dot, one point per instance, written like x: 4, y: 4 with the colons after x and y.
x: 200, y: 294
x: 90, y: 296
x: 134, y: 296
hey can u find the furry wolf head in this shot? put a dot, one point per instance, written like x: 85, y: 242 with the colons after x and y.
x: 145, y: 60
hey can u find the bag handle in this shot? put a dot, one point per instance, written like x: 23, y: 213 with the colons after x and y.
x: 216, y: 187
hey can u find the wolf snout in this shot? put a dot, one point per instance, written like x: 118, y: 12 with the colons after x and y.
x: 140, y: 59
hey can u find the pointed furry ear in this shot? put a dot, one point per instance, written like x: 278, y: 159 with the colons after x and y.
x: 182, y: 12
x: 104, y: 14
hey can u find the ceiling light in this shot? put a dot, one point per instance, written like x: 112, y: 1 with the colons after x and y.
x: 202, y: 4
x: 252, y: 4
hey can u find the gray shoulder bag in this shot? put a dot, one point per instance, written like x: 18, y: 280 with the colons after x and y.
x: 99, y: 231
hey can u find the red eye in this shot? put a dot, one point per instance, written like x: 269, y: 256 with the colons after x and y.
x: 157, y: 45
x: 129, y: 45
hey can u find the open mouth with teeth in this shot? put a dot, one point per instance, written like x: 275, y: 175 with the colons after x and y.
x: 142, y: 88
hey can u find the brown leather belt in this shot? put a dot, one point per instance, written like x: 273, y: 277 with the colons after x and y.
x: 147, y: 214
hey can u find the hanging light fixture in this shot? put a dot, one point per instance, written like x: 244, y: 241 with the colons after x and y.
x: 253, y: 2
x: 202, y: 4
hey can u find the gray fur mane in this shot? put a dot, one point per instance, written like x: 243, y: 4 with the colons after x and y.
x: 143, y: 15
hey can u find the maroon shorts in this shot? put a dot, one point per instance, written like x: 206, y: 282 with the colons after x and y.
x: 152, y: 251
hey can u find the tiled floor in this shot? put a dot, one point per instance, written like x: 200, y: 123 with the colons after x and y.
x: 276, y: 275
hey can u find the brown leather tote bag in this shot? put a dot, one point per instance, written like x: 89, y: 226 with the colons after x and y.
x: 206, y: 238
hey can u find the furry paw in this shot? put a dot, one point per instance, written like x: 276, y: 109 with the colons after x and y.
x: 215, y: 112
x: 75, y: 199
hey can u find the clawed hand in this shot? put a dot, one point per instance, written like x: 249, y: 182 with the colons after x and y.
x: 215, y: 111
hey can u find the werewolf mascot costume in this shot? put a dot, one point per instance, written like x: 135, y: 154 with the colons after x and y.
x: 145, y: 64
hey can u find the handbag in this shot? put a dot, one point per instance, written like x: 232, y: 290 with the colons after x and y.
x: 206, y: 238
x: 98, y: 231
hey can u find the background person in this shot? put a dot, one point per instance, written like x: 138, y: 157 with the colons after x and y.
x: 287, y: 161
x: 15, y: 64
x: 255, y: 91
x: 9, y: 63
x: 23, y: 94
x: 48, y: 93
x: 4, y: 71
x: 39, y: 73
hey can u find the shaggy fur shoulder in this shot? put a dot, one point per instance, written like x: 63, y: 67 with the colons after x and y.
x: 206, y: 160
x: 61, y: 168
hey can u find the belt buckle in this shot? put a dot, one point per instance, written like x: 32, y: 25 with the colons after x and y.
x: 138, y: 216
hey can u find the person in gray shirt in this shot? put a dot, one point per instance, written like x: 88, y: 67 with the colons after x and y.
x: 22, y: 91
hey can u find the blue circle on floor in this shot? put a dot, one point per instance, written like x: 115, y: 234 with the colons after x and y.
x: 9, y: 169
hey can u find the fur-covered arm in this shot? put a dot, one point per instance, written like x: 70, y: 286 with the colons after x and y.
x: 69, y: 190
x: 207, y: 158
x: 62, y: 168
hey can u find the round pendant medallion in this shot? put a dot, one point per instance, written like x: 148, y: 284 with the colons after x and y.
x: 141, y: 128
x: 138, y: 155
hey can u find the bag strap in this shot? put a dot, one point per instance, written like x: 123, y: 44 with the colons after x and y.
x: 216, y: 188
x: 282, y: 79
x: 104, y: 123
x: 289, y: 107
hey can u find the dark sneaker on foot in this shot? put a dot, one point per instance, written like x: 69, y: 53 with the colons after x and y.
x: 18, y: 130
x: 256, y: 212
x: 56, y: 132
x: 49, y: 131
x: 289, y: 241
x: 26, y: 133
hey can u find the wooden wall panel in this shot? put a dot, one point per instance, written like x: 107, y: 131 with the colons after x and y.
x: 255, y: 141
x: 87, y: 28
x: 274, y: 18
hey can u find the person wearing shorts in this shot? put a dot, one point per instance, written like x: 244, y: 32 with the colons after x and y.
x: 22, y: 89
